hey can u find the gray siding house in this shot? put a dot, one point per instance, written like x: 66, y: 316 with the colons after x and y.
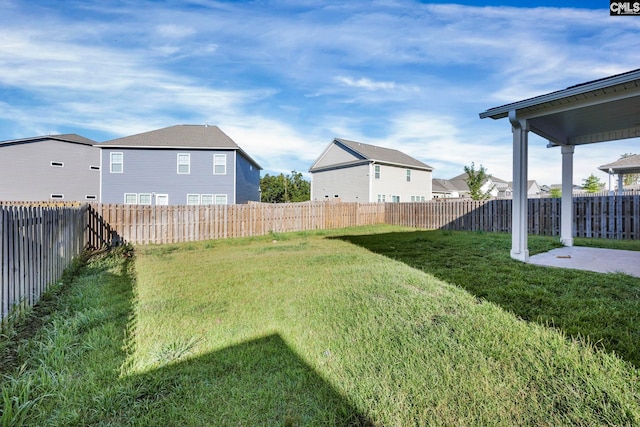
x: 178, y: 165
x: 49, y: 168
x: 351, y: 171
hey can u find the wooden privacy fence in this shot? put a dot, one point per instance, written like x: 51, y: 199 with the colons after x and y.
x: 614, y: 217
x: 36, y: 245
x: 172, y: 224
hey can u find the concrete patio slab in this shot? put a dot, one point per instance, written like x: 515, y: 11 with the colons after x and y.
x: 591, y: 259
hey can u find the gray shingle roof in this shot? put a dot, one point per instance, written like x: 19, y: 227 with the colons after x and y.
x: 179, y: 136
x: 383, y: 155
x: 439, y: 185
x: 196, y: 137
x: 67, y: 137
x: 629, y: 164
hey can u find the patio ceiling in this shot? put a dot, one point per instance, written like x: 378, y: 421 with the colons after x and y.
x: 602, y: 110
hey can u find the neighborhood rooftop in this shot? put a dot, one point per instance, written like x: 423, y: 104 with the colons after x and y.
x: 179, y: 136
x: 67, y: 137
x: 381, y: 154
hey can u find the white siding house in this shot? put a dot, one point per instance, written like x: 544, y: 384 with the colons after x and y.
x: 53, y: 167
x: 351, y: 171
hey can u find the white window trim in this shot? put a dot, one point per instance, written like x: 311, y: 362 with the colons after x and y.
x: 145, y: 194
x: 111, y: 162
x: 130, y: 194
x: 57, y: 164
x: 193, y: 204
x: 377, y: 171
x: 408, y: 175
x: 188, y: 163
x: 162, y: 196
x: 213, y: 199
x: 224, y: 156
x: 226, y: 199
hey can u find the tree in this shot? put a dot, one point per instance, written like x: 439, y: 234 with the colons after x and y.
x: 475, y: 180
x: 555, y: 193
x: 629, y: 178
x: 284, y: 188
x: 592, y: 184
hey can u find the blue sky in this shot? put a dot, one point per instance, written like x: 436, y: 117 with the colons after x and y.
x: 283, y: 78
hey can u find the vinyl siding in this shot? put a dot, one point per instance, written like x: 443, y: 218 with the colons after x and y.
x: 349, y: 184
x: 155, y: 171
x: 247, y: 181
x: 26, y: 173
x: 393, y: 182
x: 335, y: 155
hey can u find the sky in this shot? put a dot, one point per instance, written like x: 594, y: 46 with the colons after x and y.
x: 283, y: 78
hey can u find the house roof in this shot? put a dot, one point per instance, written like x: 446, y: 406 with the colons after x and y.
x: 383, y: 155
x: 439, y: 185
x: 600, y: 110
x: 67, y: 137
x: 625, y: 165
x: 196, y: 137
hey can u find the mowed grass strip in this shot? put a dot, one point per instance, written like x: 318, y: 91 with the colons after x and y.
x: 309, y: 329
x: 396, y: 346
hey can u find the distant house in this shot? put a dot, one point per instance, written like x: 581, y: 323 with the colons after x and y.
x: 443, y: 189
x: 490, y: 185
x: 355, y: 172
x: 53, y: 167
x: 178, y: 165
x: 533, y: 189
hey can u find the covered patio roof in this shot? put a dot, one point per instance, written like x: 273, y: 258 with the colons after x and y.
x: 601, y: 110
x: 623, y: 166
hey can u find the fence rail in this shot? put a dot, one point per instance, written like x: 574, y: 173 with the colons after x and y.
x: 36, y: 245
x: 172, y: 224
x: 613, y: 217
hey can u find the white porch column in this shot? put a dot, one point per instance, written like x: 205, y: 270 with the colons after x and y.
x: 566, y: 219
x: 519, y: 214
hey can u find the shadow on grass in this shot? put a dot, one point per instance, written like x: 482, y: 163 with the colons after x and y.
x: 260, y: 382
x: 605, y: 308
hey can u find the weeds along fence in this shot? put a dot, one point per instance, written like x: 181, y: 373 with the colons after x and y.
x: 173, y: 224
x: 36, y: 245
x: 613, y: 217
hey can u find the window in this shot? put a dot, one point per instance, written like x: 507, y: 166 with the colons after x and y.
x: 116, y: 162
x: 221, y: 199
x: 162, y: 199
x: 144, y: 199
x: 130, y: 199
x: 377, y: 169
x: 193, y: 199
x: 395, y: 199
x: 184, y: 163
x: 57, y: 164
x: 206, y: 199
x: 381, y: 198
x: 408, y: 175
x: 219, y: 164
x: 57, y: 196
x: 90, y: 197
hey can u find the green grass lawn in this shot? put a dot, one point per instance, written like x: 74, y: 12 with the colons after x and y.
x: 367, y: 326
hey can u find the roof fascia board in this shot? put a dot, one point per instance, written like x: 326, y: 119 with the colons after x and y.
x: 614, y: 135
x: 402, y: 165
x: 161, y: 147
x: 611, y: 83
x: 575, y: 104
x: 340, y: 165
